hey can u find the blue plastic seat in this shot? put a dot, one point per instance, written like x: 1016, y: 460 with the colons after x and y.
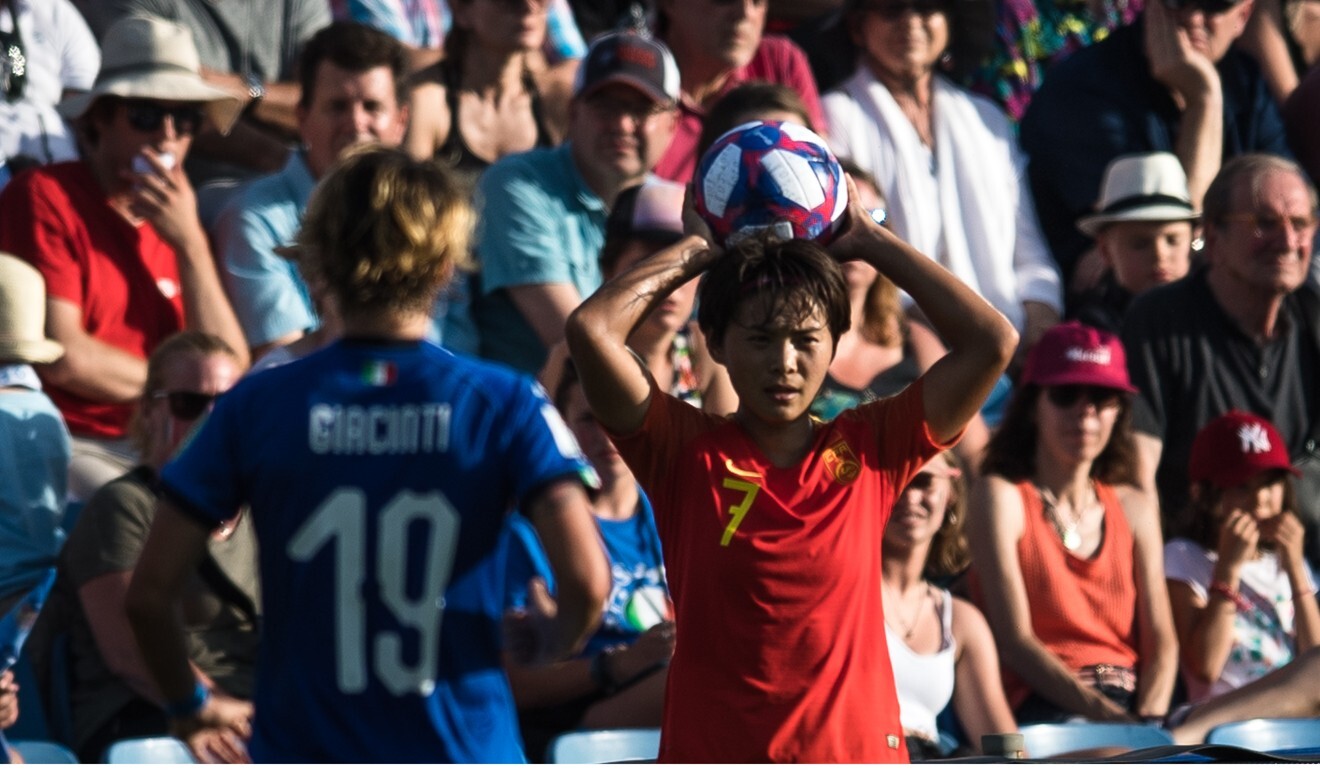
x: 44, y: 753
x: 159, y: 750
x: 593, y: 747
x: 1268, y: 734
x: 1053, y: 739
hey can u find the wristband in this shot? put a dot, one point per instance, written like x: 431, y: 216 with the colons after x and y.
x: 190, y: 705
x: 1223, y: 589
x: 600, y: 672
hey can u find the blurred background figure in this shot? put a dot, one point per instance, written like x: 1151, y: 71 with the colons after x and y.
x: 719, y: 44
x: 490, y: 96
x: 1057, y: 514
x: 46, y: 54
x: 113, y: 696
x: 117, y: 238
x: 947, y: 160
x: 1243, y: 595
x: 34, y: 443
x: 646, y: 218
x: 619, y: 678
x: 1143, y: 229
x: 940, y: 646
x: 250, y: 49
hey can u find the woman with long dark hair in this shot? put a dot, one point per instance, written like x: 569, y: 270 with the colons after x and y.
x: 1057, y: 513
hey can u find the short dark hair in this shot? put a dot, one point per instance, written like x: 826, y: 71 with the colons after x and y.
x: 1011, y: 452
x: 1252, y: 166
x: 743, y: 103
x: 797, y: 274
x: 356, y: 48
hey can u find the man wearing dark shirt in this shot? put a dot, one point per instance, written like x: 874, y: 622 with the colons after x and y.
x: 1168, y: 82
x: 1241, y: 333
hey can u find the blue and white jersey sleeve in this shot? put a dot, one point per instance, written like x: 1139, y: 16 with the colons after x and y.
x: 541, y: 447
x: 203, y: 478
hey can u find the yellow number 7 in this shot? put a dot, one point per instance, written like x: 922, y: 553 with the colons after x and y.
x: 738, y: 511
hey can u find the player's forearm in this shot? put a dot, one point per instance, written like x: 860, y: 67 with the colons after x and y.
x: 562, y: 517
x: 615, y: 309
x: 963, y: 319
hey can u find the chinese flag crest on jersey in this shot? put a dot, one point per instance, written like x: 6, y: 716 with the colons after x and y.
x: 842, y: 463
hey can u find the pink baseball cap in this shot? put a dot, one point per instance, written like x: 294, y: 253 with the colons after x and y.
x: 1232, y: 448
x: 1073, y: 353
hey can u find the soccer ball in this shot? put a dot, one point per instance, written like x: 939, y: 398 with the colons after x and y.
x: 770, y: 176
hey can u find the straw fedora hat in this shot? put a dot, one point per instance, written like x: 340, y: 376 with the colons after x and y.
x: 23, y: 314
x: 144, y: 57
x: 1147, y: 187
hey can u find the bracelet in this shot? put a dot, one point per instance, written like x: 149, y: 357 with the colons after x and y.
x: 191, y: 705
x: 1223, y: 589
x: 600, y: 672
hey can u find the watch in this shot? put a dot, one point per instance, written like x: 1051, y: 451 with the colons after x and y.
x: 256, y: 90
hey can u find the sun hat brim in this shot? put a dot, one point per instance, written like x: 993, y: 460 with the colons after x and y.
x: 31, y: 351
x: 1093, y: 223
x: 222, y: 108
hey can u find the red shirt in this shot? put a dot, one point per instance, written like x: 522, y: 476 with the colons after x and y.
x: 777, y: 60
x: 124, y: 277
x: 775, y: 575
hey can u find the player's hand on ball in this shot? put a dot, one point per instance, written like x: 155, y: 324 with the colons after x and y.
x: 859, y: 229
x: 693, y: 224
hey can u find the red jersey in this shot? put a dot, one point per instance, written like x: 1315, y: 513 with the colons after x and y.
x: 124, y: 277
x: 777, y: 60
x: 775, y: 574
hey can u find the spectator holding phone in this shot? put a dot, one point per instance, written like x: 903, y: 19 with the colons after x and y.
x: 117, y: 239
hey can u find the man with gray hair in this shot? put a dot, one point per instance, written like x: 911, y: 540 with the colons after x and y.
x: 1241, y: 332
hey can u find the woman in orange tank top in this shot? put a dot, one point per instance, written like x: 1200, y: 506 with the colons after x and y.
x: 1067, y: 552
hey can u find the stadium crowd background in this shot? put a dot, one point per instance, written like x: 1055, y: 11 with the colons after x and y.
x: 1056, y: 157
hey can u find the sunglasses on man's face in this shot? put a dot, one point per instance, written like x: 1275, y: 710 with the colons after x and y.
x: 1065, y: 396
x: 185, y: 404
x: 1212, y: 7
x: 148, y: 117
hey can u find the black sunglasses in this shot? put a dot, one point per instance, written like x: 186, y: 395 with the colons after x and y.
x: 1212, y: 7
x: 148, y: 117
x: 185, y: 404
x: 899, y: 8
x: 1065, y: 396
x: 13, y: 66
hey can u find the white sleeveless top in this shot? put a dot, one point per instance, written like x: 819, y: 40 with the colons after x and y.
x: 924, y: 682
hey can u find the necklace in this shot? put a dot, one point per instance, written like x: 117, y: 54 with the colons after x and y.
x: 910, y: 626
x: 1070, y: 530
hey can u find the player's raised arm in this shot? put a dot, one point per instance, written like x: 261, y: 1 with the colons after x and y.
x: 617, y: 387
x: 980, y: 340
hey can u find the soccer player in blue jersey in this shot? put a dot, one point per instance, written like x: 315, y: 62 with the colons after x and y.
x: 378, y: 472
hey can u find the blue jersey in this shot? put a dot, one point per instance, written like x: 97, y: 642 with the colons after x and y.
x: 639, y: 597
x: 379, y: 478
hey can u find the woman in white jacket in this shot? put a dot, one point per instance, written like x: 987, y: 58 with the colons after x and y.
x: 947, y: 160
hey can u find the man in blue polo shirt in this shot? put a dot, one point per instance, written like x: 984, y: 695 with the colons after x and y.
x: 543, y: 212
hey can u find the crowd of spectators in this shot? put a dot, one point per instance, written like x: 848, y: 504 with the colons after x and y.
x: 1145, y: 170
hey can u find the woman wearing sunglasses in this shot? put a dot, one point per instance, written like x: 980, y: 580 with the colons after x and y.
x: 1067, y: 552
x: 112, y: 695
x: 940, y: 646
x: 947, y: 160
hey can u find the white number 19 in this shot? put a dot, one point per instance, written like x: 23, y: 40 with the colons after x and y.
x: 341, y: 521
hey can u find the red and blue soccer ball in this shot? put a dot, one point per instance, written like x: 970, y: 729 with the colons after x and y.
x: 770, y: 176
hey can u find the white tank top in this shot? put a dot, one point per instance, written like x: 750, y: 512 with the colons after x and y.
x: 924, y: 682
